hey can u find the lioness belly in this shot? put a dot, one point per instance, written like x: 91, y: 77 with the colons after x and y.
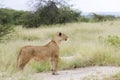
x: 41, y: 58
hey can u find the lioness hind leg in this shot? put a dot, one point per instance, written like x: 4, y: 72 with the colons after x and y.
x: 20, y: 67
x: 22, y: 63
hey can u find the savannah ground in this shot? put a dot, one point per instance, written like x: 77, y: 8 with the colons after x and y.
x: 89, y: 44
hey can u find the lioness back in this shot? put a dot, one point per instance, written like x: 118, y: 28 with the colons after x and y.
x: 40, y: 52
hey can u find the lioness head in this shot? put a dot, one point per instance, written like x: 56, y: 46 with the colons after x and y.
x: 60, y: 37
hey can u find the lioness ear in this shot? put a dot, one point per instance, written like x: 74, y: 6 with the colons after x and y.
x: 60, y: 33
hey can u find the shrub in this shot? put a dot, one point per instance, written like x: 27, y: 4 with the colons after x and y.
x: 5, y: 30
x: 112, y: 40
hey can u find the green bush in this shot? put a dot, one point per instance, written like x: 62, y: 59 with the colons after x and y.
x: 112, y: 40
x: 84, y: 19
x: 5, y: 30
x: 115, y: 77
x: 99, y: 18
x: 5, y: 18
x: 10, y: 16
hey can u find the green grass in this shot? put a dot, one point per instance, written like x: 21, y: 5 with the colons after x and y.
x: 115, y: 77
x: 83, y: 44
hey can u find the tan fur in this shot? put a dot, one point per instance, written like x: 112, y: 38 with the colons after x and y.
x: 48, y: 51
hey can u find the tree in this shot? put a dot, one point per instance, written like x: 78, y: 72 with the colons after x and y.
x: 37, y: 4
x: 18, y: 17
x: 4, y: 18
x: 5, y: 27
x: 31, y: 20
x: 48, y: 13
x: 52, y: 12
x: 65, y: 15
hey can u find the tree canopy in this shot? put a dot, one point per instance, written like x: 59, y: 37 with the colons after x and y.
x: 51, y: 12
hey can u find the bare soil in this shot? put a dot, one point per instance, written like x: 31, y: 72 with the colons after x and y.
x: 88, y: 73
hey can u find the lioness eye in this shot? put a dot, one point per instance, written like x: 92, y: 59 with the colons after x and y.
x: 60, y: 34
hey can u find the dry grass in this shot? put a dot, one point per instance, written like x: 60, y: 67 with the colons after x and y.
x: 83, y: 44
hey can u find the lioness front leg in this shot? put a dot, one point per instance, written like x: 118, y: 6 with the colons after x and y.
x: 55, y: 65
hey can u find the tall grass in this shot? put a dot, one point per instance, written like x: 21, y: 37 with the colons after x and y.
x: 84, y: 45
x: 115, y: 77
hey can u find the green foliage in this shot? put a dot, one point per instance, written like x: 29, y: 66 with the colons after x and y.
x: 19, y: 17
x: 31, y: 21
x: 5, y: 18
x: 65, y: 14
x: 5, y: 30
x: 112, y: 40
x: 51, y: 14
x: 84, y: 19
x: 5, y: 27
x: 9, y: 16
x: 40, y: 66
x: 47, y: 14
x: 99, y: 18
x: 115, y: 77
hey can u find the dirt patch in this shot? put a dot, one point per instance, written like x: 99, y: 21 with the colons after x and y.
x: 87, y: 73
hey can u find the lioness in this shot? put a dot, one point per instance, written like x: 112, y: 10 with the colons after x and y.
x: 48, y: 51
